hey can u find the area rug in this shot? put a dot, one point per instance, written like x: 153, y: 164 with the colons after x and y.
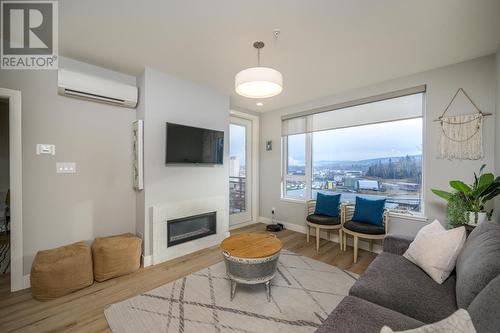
x: 304, y: 291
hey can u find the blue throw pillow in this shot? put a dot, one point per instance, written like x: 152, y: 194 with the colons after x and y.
x: 369, y: 211
x: 327, y: 205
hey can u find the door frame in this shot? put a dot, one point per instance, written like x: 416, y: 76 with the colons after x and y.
x: 254, y: 152
x: 245, y: 216
x: 16, y: 187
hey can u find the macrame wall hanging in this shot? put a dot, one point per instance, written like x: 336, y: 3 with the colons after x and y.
x: 461, y: 135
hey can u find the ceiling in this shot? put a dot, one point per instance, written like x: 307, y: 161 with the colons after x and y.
x: 325, y: 46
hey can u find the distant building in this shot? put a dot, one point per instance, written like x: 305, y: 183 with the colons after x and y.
x: 366, y: 184
x: 410, y: 187
x: 234, y: 166
x: 350, y: 182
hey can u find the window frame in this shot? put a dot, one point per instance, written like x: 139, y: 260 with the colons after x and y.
x: 307, y: 178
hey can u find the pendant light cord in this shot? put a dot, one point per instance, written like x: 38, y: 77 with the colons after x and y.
x: 258, y: 46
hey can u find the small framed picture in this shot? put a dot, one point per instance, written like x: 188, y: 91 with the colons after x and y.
x: 269, y: 145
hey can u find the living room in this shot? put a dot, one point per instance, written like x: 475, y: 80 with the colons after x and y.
x: 250, y: 166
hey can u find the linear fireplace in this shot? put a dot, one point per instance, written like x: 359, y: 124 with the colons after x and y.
x: 192, y: 227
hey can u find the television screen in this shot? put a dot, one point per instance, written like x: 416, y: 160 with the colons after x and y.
x: 186, y: 144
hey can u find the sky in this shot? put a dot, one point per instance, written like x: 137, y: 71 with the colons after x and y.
x: 237, y: 142
x: 390, y: 139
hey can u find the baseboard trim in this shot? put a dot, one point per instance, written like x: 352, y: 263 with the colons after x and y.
x: 147, y: 261
x: 377, y: 248
x: 241, y: 225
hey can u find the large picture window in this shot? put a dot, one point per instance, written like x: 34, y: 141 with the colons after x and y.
x: 340, y: 152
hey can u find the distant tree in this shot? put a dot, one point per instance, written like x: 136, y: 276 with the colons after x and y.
x: 398, y: 168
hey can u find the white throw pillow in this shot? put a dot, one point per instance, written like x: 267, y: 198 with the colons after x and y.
x: 436, y: 249
x: 458, y: 322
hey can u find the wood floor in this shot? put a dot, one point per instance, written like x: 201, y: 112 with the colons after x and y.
x: 83, y: 311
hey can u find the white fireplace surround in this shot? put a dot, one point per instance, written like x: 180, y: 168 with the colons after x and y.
x: 179, y: 209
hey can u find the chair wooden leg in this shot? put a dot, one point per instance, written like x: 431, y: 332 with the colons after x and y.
x: 340, y: 239
x: 308, y: 229
x: 344, y: 241
x: 371, y: 245
x: 355, y: 249
x: 317, y: 239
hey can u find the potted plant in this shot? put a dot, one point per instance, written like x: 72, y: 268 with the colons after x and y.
x: 456, y: 212
x: 474, y: 197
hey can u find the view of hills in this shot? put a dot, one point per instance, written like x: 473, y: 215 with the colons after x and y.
x: 361, y: 165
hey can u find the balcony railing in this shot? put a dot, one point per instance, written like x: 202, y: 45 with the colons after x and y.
x: 237, y: 195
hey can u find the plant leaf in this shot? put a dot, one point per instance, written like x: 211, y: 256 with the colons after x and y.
x: 442, y: 194
x: 482, y: 168
x: 491, y: 195
x: 460, y: 186
x: 486, y: 179
x: 490, y: 188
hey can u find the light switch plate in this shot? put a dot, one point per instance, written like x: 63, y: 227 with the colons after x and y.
x: 45, y: 149
x: 65, y: 167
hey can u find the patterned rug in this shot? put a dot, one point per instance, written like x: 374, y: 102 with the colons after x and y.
x: 304, y: 291
x: 4, y: 258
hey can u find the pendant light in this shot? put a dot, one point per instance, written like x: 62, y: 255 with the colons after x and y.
x: 258, y: 82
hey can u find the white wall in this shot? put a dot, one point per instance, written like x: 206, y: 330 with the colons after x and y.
x: 98, y: 200
x: 477, y: 77
x: 497, y: 131
x: 170, y: 99
x: 140, y: 195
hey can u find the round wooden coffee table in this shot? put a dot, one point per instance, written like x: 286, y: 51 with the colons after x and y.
x: 251, y: 259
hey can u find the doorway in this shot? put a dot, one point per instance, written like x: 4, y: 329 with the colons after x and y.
x: 243, y: 169
x: 11, y: 226
x: 4, y: 196
x: 240, y: 171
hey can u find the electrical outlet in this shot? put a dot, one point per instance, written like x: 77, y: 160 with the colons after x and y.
x: 65, y: 167
x: 45, y: 149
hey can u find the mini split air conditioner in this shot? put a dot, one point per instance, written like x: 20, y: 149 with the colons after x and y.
x: 79, y: 85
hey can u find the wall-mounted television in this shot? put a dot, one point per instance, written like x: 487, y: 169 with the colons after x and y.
x: 193, y: 145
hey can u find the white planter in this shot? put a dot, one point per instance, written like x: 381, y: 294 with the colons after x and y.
x: 481, y: 217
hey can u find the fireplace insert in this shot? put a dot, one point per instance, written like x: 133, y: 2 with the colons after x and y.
x: 192, y: 227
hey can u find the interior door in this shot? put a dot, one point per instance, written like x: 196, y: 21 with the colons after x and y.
x: 240, y: 171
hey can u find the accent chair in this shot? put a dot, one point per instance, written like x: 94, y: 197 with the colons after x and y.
x: 361, y: 229
x: 319, y: 222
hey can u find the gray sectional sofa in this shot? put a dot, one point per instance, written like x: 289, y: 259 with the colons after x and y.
x: 395, y: 292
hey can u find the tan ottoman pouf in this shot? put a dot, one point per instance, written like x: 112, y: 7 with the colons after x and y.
x: 115, y: 256
x: 60, y: 271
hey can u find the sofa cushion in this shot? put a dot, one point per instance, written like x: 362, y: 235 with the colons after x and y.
x: 327, y: 204
x: 478, y: 262
x: 322, y: 219
x: 485, y: 308
x: 397, y: 244
x: 396, y: 283
x: 369, y: 211
x: 364, y: 228
x: 359, y: 316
